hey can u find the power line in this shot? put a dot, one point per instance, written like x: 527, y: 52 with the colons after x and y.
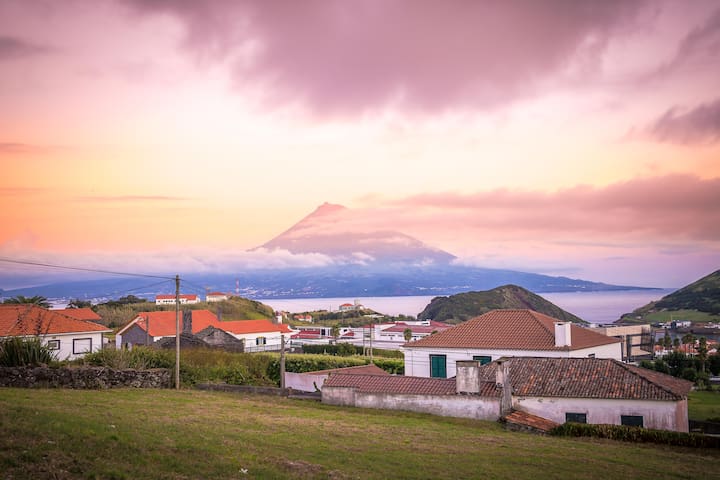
x: 82, y: 269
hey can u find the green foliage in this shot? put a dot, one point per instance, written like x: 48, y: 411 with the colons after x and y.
x: 348, y: 349
x: 140, y: 358
x: 680, y: 365
x: 391, y: 365
x: 20, y: 352
x: 636, y: 434
x: 77, y: 303
x: 465, y: 306
x: 38, y: 300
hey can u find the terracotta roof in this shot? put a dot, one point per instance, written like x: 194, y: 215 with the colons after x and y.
x: 80, y: 313
x: 371, y: 369
x: 417, y: 328
x: 27, y: 319
x: 529, y: 420
x: 240, y: 327
x: 216, y: 294
x: 513, y: 330
x: 162, y: 324
x: 587, y: 378
x: 393, y: 384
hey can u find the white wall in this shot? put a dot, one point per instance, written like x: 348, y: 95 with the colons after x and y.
x: 66, y: 344
x: 463, y: 406
x: 305, y: 382
x: 417, y: 360
x: 664, y: 415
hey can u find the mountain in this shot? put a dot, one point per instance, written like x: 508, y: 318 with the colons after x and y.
x: 334, y: 231
x: 465, y: 306
x: 699, y: 301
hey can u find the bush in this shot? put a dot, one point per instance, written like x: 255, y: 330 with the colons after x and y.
x: 21, y: 352
x: 139, y: 358
x: 635, y: 434
x: 395, y: 366
x: 348, y: 349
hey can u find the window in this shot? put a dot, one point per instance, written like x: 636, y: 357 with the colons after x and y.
x: 576, y: 417
x: 631, y: 420
x: 82, y: 345
x: 483, y: 359
x: 260, y: 341
x: 438, y: 366
x: 592, y: 355
x: 53, y: 344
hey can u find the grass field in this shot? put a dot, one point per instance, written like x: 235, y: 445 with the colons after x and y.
x: 138, y: 434
x: 703, y: 405
x: 680, y: 315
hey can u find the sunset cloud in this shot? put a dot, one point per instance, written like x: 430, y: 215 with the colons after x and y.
x: 13, y: 48
x: 698, y: 125
x: 343, y: 57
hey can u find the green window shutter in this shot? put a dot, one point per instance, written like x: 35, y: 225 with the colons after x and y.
x: 483, y: 359
x: 438, y: 366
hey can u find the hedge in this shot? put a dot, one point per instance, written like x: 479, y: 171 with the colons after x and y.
x: 636, y: 434
x: 348, y: 349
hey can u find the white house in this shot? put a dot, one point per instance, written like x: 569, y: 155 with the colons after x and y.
x: 418, y: 330
x: 558, y: 390
x: 505, y: 333
x: 216, y: 297
x: 170, y: 299
x: 69, y: 338
x: 258, y: 335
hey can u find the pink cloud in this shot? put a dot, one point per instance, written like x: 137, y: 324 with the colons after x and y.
x: 698, y: 125
x: 422, y: 54
x: 13, y: 48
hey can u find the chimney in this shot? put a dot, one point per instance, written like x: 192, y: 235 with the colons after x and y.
x: 219, y: 314
x: 562, y: 334
x: 502, y: 381
x: 467, y: 376
x: 278, y: 318
x: 187, y: 321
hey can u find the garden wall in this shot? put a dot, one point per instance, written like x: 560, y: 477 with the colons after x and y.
x: 83, y: 378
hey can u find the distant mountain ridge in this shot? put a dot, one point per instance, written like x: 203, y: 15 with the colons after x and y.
x: 464, y: 306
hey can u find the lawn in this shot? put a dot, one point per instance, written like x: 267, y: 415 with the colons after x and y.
x: 703, y: 405
x: 142, y: 434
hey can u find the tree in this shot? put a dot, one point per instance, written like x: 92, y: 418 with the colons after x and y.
x: 667, y: 341
x: 335, y: 332
x: 407, y: 334
x: 702, y: 353
x: 77, y: 303
x: 676, y: 343
x: 38, y: 300
x: 688, y: 339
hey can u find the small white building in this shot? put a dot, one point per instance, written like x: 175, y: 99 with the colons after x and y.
x: 216, y: 297
x: 69, y: 338
x: 170, y: 299
x: 505, y: 333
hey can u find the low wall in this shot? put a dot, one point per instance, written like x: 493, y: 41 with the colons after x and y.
x: 83, y: 378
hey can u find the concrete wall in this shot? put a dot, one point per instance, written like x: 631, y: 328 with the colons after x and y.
x: 663, y: 415
x: 305, y: 382
x: 463, y: 406
x: 133, y: 336
x: 417, y: 360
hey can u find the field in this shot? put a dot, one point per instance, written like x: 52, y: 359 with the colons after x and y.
x: 703, y: 405
x: 667, y: 316
x: 187, y: 434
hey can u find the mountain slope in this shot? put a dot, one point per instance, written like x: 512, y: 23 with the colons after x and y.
x: 333, y: 230
x: 465, y: 306
x: 701, y: 296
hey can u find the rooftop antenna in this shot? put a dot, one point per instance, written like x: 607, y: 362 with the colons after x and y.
x: 237, y: 286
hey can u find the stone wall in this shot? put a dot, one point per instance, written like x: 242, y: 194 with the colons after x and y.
x: 83, y: 378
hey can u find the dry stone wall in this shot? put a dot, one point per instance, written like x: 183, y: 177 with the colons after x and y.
x: 83, y: 378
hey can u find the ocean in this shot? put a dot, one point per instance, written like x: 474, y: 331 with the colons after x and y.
x: 595, y: 307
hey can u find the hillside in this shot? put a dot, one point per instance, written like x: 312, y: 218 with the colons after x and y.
x: 697, y: 302
x: 465, y: 306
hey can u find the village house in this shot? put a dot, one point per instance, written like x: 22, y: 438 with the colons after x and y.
x: 216, y: 297
x: 313, y: 381
x: 505, y: 333
x: 303, y: 317
x: 69, y: 338
x: 170, y: 299
x: 551, y: 390
x: 418, y: 330
x: 85, y: 313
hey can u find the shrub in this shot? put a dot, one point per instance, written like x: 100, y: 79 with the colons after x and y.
x: 348, y: 349
x: 636, y: 434
x: 140, y: 358
x: 395, y: 366
x: 20, y: 352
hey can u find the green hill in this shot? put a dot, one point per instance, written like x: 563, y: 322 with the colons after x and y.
x: 464, y: 306
x: 697, y: 302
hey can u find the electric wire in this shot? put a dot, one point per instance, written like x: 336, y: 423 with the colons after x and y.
x: 82, y: 269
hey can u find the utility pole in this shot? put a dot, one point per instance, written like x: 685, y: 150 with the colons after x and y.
x: 282, y: 361
x: 177, y: 332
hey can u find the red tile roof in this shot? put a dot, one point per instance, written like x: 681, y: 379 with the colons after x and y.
x: 417, y: 328
x: 587, y: 378
x: 172, y: 297
x: 162, y: 324
x: 513, y: 330
x: 81, y: 314
x: 20, y: 320
x: 393, y: 384
x: 529, y: 420
x: 216, y: 294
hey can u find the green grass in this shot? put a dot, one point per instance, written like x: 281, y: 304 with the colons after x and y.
x: 703, y: 405
x: 188, y: 434
x: 666, y: 316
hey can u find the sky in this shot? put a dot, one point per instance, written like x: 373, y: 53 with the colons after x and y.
x: 577, y: 138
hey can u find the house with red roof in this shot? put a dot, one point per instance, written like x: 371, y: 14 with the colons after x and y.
x: 69, y: 338
x: 505, y: 333
x: 216, y: 297
x: 313, y: 381
x: 539, y: 392
x: 150, y: 327
x: 85, y: 313
x: 418, y: 330
x: 170, y: 299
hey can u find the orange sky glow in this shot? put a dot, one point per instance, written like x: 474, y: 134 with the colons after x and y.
x: 582, y: 141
